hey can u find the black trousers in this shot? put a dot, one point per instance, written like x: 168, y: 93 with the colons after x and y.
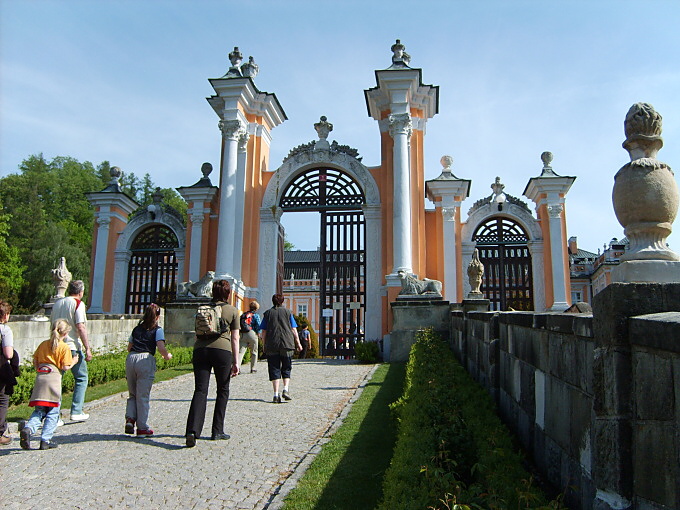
x: 206, y: 359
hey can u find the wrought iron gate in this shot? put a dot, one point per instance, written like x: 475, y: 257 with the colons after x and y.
x: 152, y: 271
x: 338, y: 197
x: 503, y: 250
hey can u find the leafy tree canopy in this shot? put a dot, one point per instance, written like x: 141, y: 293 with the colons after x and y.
x: 45, y: 215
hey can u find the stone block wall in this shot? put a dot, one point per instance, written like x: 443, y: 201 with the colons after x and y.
x: 105, y: 331
x: 594, y: 399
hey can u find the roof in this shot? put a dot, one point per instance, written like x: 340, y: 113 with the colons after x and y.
x: 302, y: 256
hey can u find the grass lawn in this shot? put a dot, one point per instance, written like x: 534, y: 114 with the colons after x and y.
x: 23, y: 411
x: 348, y: 473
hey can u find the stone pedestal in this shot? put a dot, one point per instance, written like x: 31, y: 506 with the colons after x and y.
x: 179, y: 321
x: 411, y: 314
x: 647, y: 271
x: 476, y: 305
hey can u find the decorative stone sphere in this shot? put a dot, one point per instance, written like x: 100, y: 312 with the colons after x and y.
x: 645, y: 194
x: 206, y: 169
x: 115, y: 172
x: 446, y: 162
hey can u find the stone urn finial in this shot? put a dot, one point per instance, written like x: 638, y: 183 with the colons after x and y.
x: 400, y: 57
x: 236, y: 57
x: 61, y: 277
x: 475, y: 272
x: 206, y: 170
x: 323, y: 128
x: 250, y: 68
x: 115, y: 173
x: 547, y: 158
x: 447, y: 162
x: 645, y: 194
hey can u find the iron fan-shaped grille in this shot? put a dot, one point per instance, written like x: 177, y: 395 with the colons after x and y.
x: 322, y: 188
x: 156, y: 237
x: 500, y: 231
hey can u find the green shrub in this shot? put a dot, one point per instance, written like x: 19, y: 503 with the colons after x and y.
x: 313, y: 351
x: 367, y: 352
x: 101, y: 369
x: 452, y: 451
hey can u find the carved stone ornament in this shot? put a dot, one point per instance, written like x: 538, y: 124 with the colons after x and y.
x: 323, y: 127
x: 498, y: 196
x: 400, y: 123
x: 412, y: 286
x: 547, y: 171
x: 449, y: 213
x: 61, y: 277
x: 399, y: 56
x: 201, y: 288
x: 645, y: 194
x: 555, y: 210
x: 475, y: 272
x: 250, y: 68
x: 231, y: 129
x: 235, y: 57
x: 243, y: 140
x: 446, y: 162
x: 206, y: 170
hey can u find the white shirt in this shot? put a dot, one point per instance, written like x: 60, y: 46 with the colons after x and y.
x: 7, y: 336
x: 65, y: 308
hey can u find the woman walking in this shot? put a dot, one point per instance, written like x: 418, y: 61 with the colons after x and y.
x: 280, y: 338
x: 140, y: 369
x: 250, y: 328
x: 50, y: 359
x: 214, y: 352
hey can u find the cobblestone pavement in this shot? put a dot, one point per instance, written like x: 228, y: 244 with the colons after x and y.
x: 97, y: 466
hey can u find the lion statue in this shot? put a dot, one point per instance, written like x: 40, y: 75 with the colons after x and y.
x: 201, y: 288
x: 412, y: 286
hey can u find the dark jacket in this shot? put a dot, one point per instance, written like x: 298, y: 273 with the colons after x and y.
x: 9, y: 371
x: 279, y: 332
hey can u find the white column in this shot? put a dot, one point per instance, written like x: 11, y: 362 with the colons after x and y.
x: 239, y: 200
x: 556, y: 254
x: 99, y: 270
x: 373, y: 326
x: 231, y: 131
x: 537, y: 280
x: 400, y: 130
x: 196, y: 216
x: 450, y: 261
x: 120, y: 277
x: 269, y: 244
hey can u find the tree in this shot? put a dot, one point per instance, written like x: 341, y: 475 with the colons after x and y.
x: 11, y: 270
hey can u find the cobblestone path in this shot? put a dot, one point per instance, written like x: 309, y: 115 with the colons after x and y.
x: 97, y: 466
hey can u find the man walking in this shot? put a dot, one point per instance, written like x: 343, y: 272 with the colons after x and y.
x: 72, y: 309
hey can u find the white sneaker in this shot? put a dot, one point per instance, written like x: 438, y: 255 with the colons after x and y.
x: 79, y: 417
x: 60, y: 423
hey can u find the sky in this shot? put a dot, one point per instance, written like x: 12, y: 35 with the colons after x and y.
x: 126, y: 81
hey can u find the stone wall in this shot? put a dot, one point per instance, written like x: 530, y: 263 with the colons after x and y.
x: 593, y: 399
x: 104, y: 331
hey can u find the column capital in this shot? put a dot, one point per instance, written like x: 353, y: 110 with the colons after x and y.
x: 243, y: 138
x: 104, y: 221
x: 449, y: 213
x: 232, y: 129
x: 400, y: 124
x: 555, y: 210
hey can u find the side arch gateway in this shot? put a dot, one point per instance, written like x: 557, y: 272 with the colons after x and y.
x: 301, y: 161
x: 484, y: 215
x: 156, y: 240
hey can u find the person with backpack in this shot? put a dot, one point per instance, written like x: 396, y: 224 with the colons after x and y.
x: 250, y: 329
x: 217, y: 328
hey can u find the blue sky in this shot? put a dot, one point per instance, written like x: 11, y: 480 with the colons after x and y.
x: 126, y: 81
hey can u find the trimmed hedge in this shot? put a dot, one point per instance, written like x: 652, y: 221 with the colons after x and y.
x: 103, y: 368
x: 452, y: 450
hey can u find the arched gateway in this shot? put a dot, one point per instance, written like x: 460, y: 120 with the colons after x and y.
x: 331, y: 180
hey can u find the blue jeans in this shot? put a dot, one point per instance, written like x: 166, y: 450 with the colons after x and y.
x: 51, y: 417
x: 79, y: 371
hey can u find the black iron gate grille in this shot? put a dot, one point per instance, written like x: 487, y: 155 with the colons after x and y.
x: 343, y: 265
x: 338, y: 197
x: 503, y: 250
x: 152, y: 271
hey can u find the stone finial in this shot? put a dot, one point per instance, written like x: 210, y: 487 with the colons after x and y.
x: 61, y: 277
x: 115, y: 173
x: 323, y: 128
x: 250, y: 68
x: 547, y: 171
x: 475, y: 272
x: 498, y: 195
x: 446, y: 162
x: 235, y: 57
x: 643, y: 131
x: 645, y: 194
x: 400, y: 57
x: 206, y: 170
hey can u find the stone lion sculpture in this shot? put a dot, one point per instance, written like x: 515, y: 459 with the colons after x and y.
x: 201, y: 288
x: 412, y: 286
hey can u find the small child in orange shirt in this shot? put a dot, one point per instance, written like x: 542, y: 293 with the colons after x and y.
x: 50, y: 358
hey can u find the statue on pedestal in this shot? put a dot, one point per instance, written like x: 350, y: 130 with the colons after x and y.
x: 412, y: 286
x: 200, y: 289
x: 475, y: 272
x: 61, y: 277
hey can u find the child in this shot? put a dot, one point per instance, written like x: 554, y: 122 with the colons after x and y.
x: 140, y: 369
x: 50, y: 358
